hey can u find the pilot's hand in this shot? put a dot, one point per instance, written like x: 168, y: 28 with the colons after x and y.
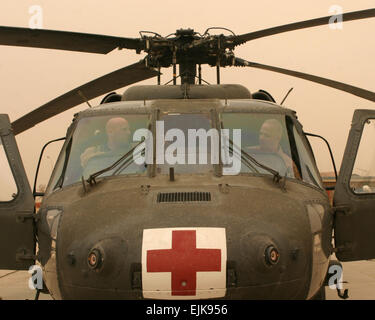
x: 88, y: 154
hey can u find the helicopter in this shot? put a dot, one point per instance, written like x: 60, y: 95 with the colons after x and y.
x: 255, y: 222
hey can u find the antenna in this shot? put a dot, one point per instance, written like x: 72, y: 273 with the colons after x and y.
x: 290, y: 90
x: 84, y: 98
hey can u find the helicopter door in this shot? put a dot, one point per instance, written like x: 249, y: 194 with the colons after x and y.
x: 17, y: 241
x: 354, y: 198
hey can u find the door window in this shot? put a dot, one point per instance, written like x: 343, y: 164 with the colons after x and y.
x: 363, y: 175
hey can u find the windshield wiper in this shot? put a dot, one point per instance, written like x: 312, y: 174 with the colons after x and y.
x: 248, y: 160
x: 128, y: 162
x: 126, y: 159
x: 244, y: 159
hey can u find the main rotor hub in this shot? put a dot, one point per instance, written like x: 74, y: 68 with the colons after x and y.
x: 188, y: 49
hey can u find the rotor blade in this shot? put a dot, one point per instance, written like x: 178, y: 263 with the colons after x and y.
x: 112, y: 81
x: 349, y: 16
x: 359, y: 92
x: 64, y: 40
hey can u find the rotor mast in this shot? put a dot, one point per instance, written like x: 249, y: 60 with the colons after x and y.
x: 188, y: 72
x: 187, y: 64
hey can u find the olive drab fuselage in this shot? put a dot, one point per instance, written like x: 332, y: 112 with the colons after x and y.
x: 255, y: 211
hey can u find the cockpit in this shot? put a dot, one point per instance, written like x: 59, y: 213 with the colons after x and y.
x: 221, y: 141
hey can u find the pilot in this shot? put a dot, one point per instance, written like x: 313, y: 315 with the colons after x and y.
x: 118, y: 143
x: 270, y: 135
x: 118, y: 133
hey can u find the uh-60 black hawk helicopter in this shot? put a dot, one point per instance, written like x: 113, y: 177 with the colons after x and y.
x: 112, y: 227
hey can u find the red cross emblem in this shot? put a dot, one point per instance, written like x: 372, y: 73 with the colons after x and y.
x: 184, y: 260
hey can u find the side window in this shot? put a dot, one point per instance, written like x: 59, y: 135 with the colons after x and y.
x: 48, y: 158
x: 55, y: 180
x: 8, y: 187
x: 363, y: 175
x: 308, y: 169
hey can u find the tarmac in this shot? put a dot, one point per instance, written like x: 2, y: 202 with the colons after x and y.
x: 358, y: 277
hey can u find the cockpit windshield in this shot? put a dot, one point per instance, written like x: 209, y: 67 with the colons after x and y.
x: 96, y: 144
x: 191, y: 143
x: 272, y: 140
x: 184, y: 141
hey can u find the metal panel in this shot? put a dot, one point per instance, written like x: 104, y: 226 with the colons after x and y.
x: 355, y: 213
x: 17, y: 239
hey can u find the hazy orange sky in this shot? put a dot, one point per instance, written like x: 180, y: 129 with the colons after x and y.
x: 31, y: 77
